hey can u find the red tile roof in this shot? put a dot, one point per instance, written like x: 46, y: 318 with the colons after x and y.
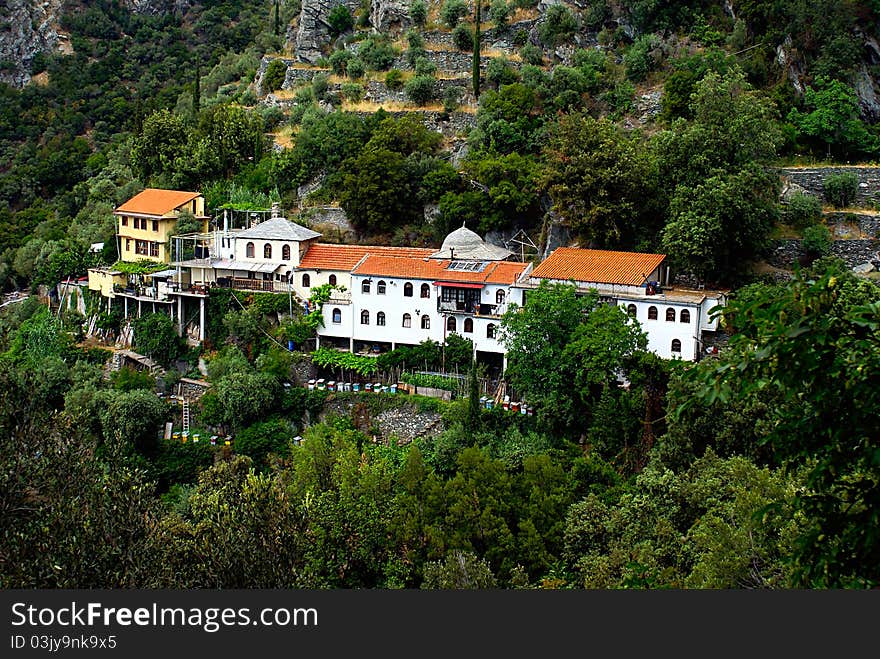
x: 156, y: 202
x: 498, y: 272
x: 599, y: 266
x: 324, y: 256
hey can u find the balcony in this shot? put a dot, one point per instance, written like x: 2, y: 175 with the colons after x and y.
x: 262, y: 285
x: 468, y: 307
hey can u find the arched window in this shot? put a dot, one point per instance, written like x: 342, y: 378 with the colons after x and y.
x: 631, y: 310
x: 469, y: 325
x: 249, y: 250
x: 426, y: 290
x: 380, y: 318
x: 337, y: 316
x: 670, y: 315
x: 499, y: 297
x: 652, y: 313
x: 365, y: 317
x: 380, y: 288
x: 685, y: 316
x: 407, y: 290
x: 450, y: 324
x: 267, y: 251
x: 285, y: 252
x: 490, y: 331
x: 307, y: 281
x: 332, y: 280
x: 407, y: 320
x: 426, y: 322
x: 365, y: 287
x: 676, y: 345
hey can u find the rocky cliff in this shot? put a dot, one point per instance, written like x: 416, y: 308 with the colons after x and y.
x: 27, y: 27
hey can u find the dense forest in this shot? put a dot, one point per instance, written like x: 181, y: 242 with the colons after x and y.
x: 753, y: 468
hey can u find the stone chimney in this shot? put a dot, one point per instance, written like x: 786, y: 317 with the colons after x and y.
x: 276, y: 209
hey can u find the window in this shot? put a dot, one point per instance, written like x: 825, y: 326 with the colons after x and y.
x: 685, y: 316
x: 154, y: 249
x: 124, y: 221
x: 380, y: 288
x: 267, y: 251
x: 332, y: 280
x: 407, y: 320
x: 337, y: 316
x: 249, y: 250
x: 676, y: 345
x: 490, y: 331
x: 631, y: 310
x: 407, y: 290
x: 365, y: 287
x: 380, y: 319
x: 450, y: 324
x: 285, y: 252
x: 307, y: 281
x: 670, y: 315
x: 156, y: 226
x: 128, y: 244
x: 499, y: 297
x: 426, y: 322
x: 426, y: 290
x: 652, y: 313
x: 365, y: 317
x: 469, y: 325
x: 141, y: 247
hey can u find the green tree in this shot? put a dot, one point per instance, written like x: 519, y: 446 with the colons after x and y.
x: 452, y: 11
x: 463, y: 37
x: 340, y: 20
x: 162, y: 139
x: 133, y: 418
x: 246, y: 397
x: 717, y: 228
x: 461, y: 570
x: 801, y: 210
x: 831, y: 116
x: 840, y: 190
x: 600, y: 181
x: 816, y: 343
x: 499, y: 11
x: 274, y: 76
x: 559, y: 26
x: 421, y: 90
x: 418, y: 12
x: 817, y: 240
x: 155, y: 335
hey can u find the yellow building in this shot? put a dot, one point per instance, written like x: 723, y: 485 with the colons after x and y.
x: 147, y: 220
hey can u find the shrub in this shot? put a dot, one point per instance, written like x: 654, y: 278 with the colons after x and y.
x: 340, y: 20
x: 421, y: 89
x: 274, y: 76
x: 499, y: 12
x: 418, y: 12
x: 394, y: 79
x: 352, y: 91
x: 817, y: 240
x: 463, y: 37
x: 377, y: 53
x: 425, y: 67
x: 452, y: 98
x: 356, y: 69
x: 499, y: 72
x: 520, y: 38
x: 531, y: 54
x: 452, y: 11
x: 840, y: 189
x: 639, y: 60
x: 802, y: 210
x: 339, y: 61
x: 559, y: 25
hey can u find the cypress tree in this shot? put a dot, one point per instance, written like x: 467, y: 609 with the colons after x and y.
x: 197, y: 90
x: 277, y: 19
x: 476, y: 71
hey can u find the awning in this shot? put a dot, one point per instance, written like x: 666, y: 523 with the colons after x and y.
x: 163, y: 273
x: 247, y: 266
x: 458, y: 284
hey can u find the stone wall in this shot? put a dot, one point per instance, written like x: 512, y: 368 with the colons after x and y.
x: 854, y: 253
x: 295, y: 76
x: 853, y: 225
x: 811, y: 178
x: 449, y: 125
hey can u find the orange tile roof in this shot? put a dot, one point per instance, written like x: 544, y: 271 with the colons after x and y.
x: 156, y: 202
x: 599, y: 266
x: 324, y: 256
x: 499, y: 272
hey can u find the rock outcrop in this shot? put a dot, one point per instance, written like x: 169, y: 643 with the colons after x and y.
x: 313, y: 33
x: 157, y: 7
x: 27, y: 27
x: 389, y: 15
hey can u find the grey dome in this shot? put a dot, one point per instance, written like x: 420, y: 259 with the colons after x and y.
x: 466, y: 244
